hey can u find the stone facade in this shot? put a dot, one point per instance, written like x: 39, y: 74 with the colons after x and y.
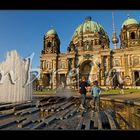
x: 90, y: 55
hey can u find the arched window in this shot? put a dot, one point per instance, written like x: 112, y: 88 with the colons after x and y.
x: 49, y: 44
x: 132, y: 35
x: 0, y: 76
x: 95, y: 42
x: 124, y: 36
x: 137, y: 78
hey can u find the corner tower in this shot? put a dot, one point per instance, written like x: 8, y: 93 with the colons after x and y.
x: 130, y: 33
x: 51, y: 42
x: 49, y: 59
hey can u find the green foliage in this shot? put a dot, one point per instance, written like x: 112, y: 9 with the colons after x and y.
x: 44, y: 91
x: 117, y: 91
x: 110, y: 91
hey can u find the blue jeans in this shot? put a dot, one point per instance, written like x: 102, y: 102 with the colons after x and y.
x: 96, y: 102
x: 83, y: 99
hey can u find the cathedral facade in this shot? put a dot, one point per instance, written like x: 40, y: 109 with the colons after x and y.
x: 89, y: 54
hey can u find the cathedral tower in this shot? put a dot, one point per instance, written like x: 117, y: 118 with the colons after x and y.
x: 49, y: 59
x: 130, y: 33
x: 51, y: 42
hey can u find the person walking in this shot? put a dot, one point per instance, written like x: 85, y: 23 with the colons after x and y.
x: 83, y: 89
x: 95, y: 91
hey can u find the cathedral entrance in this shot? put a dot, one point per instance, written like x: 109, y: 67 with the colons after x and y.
x: 62, y: 79
x: 115, y: 76
x: 46, y: 80
x: 137, y: 78
x: 85, y: 69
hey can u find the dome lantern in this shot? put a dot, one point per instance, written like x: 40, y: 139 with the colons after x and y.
x: 88, y: 18
x: 51, y: 32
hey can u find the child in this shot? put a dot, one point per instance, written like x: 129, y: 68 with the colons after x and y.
x: 95, y: 91
x: 83, y: 90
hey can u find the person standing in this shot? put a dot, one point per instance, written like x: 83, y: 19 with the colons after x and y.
x: 83, y: 89
x: 95, y: 91
x: 121, y: 88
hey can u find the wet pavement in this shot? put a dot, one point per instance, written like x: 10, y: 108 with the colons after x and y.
x: 54, y: 113
x: 51, y: 112
x: 130, y: 98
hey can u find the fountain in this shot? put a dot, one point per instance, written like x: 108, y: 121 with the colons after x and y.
x: 14, y: 77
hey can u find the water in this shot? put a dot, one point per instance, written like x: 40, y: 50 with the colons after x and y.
x: 65, y: 92
x: 129, y: 112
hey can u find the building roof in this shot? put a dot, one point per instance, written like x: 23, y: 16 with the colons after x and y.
x: 89, y: 26
x: 129, y: 21
x: 51, y: 32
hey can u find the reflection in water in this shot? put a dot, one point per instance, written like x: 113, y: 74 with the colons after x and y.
x: 130, y: 113
x: 42, y: 114
x: 127, y: 116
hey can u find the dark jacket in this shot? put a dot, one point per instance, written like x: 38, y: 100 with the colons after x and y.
x: 83, y: 86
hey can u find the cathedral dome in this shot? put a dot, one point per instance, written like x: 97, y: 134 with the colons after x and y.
x: 88, y: 26
x: 129, y: 21
x: 51, y: 32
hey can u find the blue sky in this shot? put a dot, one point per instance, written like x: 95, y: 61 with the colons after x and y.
x: 23, y: 30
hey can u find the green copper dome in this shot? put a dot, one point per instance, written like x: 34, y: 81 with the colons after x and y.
x: 129, y: 21
x: 51, y: 32
x: 88, y: 26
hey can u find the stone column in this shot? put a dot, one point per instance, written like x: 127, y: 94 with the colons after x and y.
x: 53, y: 75
x: 102, y: 70
x: 128, y: 60
x: 56, y: 76
x: 42, y: 64
x: 133, y: 78
x: 72, y: 63
x: 126, y: 65
x: 107, y: 71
